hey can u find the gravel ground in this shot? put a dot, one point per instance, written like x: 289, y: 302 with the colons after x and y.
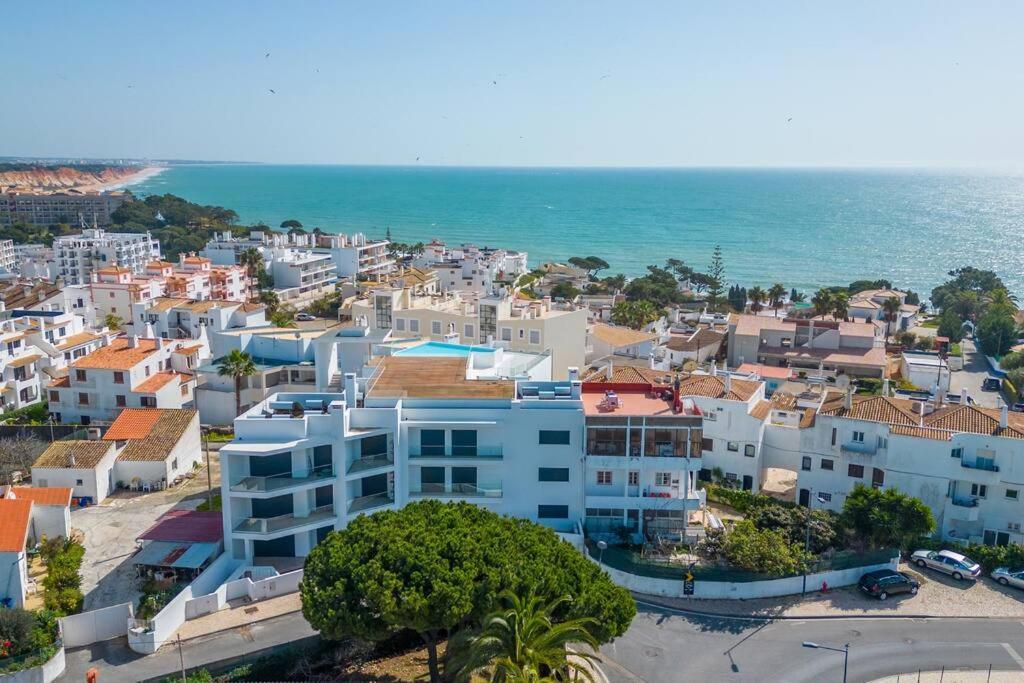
x: 939, y: 596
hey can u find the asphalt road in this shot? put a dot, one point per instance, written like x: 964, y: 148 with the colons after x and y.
x: 664, y: 645
x: 975, y: 371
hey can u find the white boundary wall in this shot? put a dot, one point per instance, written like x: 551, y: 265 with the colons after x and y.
x: 95, y: 625
x: 254, y: 591
x: 771, y: 588
x: 49, y: 671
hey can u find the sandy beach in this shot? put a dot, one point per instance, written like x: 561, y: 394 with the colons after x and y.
x: 124, y: 181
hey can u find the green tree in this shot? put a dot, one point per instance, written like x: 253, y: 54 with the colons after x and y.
x: 891, y: 313
x: 614, y: 283
x: 840, y: 305
x: 765, y: 551
x: 886, y: 518
x: 433, y: 567
x: 716, y: 278
x: 859, y: 286
x: 659, y: 287
x: 1012, y: 361
x: 678, y: 268
x: 236, y: 365
x: 757, y: 297
x: 564, y: 290
x: 996, y: 332
x: 283, y: 316
x: 966, y: 279
x: 775, y: 296
x: 252, y: 260
x: 822, y: 302
x: 112, y: 321
x: 591, y: 264
x: 290, y: 223
x: 950, y: 325
x: 523, y: 642
x: 635, y: 314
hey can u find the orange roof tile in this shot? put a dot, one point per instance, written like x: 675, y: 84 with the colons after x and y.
x: 14, y: 518
x: 161, y: 438
x: 156, y: 382
x: 64, y: 381
x: 761, y: 409
x: 77, y: 339
x: 188, y: 350
x: 43, y: 496
x: 133, y: 423
x: 117, y: 355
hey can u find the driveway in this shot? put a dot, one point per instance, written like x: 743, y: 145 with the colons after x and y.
x: 109, y: 531
x: 975, y: 371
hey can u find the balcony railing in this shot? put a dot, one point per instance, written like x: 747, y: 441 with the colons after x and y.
x: 489, y: 490
x: 965, y: 502
x: 369, y: 462
x: 375, y: 500
x: 980, y: 465
x: 266, y: 525
x: 860, y: 447
x: 280, y: 481
x: 491, y: 452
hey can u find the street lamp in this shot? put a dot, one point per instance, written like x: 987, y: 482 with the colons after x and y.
x: 601, y: 545
x: 845, y: 651
x: 807, y: 539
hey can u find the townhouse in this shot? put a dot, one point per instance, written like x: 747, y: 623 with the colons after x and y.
x: 177, y: 318
x: 129, y: 372
x: 470, y: 268
x: 867, y: 306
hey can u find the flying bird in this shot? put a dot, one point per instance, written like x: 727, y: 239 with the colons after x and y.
x: 789, y: 119
x: 272, y: 91
x: 417, y: 158
x: 266, y: 55
x: 604, y: 77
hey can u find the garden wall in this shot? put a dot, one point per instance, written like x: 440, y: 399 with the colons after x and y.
x: 769, y: 588
x: 50, y: 671
x: 254, y: 591
x: 95, y: 625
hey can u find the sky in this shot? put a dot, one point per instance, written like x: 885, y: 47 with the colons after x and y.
x: 548, y: 83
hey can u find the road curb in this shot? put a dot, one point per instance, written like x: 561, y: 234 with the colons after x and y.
x: 652, y: 601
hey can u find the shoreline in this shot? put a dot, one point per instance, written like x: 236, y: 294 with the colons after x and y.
x: 123, y: 182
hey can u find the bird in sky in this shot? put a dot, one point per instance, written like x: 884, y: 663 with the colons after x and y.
x: 266, y: 55
x: 789, y: 119
x: 417, y: 158
x: 494, y: 82
x: 272, y: 92
x: 604, y: 77
x: 130, y: 85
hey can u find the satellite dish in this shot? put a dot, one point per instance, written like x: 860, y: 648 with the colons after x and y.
x: 842, y: 382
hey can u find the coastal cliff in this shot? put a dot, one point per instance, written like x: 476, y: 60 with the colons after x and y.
x: 64, y: 177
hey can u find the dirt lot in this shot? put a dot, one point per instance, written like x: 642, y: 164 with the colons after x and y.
x: 109, y: 531
x: 940, y: 595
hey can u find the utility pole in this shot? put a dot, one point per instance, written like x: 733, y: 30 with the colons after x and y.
x: 181, y: 658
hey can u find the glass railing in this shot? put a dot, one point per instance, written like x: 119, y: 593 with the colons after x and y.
x: 980, y: 465
x: 275, y: 482
x: 965, y: 502
x: 266, y: 525
x: 486, y: 490
x: 493, y: 452
x: 369, y: 462
x: 374, y: 500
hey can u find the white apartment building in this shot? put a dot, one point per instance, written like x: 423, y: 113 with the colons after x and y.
x: 8, y: 257
x: 173, y: 318
x: 417, y: 430
x: 532, y: 326
x: 78, y: 256
x: 301, y: 276
x: 34, y: 261
x: 469, y: 268
x: 355, y: 257
x: 867, y: 306
x: 129, y: 372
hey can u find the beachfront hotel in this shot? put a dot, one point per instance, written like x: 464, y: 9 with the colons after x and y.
x: 41, y: 207
x: 79, y: 256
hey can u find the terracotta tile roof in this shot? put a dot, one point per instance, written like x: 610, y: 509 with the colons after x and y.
x: 626, y: 374
x: 160, y: 264
x: 164, y: 434
x: 435, y: 378
x: 708, y: 386
x: 975, y: 420
x: 872, y: 408
x: 188, y: 350
x: 43, y: 496
x: 23, y: 361
x: 133, y: 423
x: 77, y: 340
x: 117, y: 355
x: 164, y: 303
x: 617, y: 337
x: 155, y: 382
x: 15, y: 295
x: 872, y: 358
x: 87, y: 454
x: 64, y: 381
x: 14, y: 519
x: 700, y: 339
x: 941, y: 424
x: 761, y: 409
x: 113, y: 270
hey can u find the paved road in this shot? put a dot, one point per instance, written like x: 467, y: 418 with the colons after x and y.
x: 975, y: 371
x: 662, y: 645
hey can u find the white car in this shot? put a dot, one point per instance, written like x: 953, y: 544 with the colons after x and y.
x: 305, y: 317
x: 1009, y: 577
x: 956, y: 565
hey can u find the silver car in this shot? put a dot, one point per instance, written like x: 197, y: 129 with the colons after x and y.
x: 954, y: 564
x: 1009, y: 577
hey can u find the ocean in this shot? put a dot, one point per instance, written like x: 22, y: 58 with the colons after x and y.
x: 803, y: 228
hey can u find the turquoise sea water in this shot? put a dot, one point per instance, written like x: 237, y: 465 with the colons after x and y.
x: 804, y: 228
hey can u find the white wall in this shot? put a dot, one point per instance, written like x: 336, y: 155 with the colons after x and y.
x: 95, y: 625
x: 95, y: 482
x: 50, y: 520
x: 13, y: 577
x: 49, y: 671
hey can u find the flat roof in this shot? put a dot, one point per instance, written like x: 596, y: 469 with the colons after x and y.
x: 634, y: 404
x: 439, y: 377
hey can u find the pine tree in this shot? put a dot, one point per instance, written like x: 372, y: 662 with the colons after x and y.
x: 716, y: 278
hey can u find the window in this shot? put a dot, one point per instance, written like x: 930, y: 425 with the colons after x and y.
x: 400, y: 324
x: 184, y: 390
x: 552, y: 437
x: 956, y: 453
x: 432, y: 442
x: 79, y: 375
x: 877, y: 477
x: 435, y: 327
x: 83, y: 399
x: 825, y: 497
x: 464, y: 442
x: 604, y: 477
x: 78, y: 482
x: 707, y: 444
x: 146, y: 368
x: 710, y: 417
x: 174, y: 464
x: 662, y: 478
x: 732, y: 446
x: 805, y: 463
x: 552, y: 474
x: 506, y: 334
x: 119, y: 400
x: 634, y: 478
x: 118, y: 378
x: 833, y: 436
x: 55, y: 397
x: 553, y: 512
x: 748, y: 450
x: 468, y: 330
x: 858, y: 437
x: 535, y: 336
x: 148, y: 402
x: 1012, y: 494
x: 826, y: 464
x: 414, y: 325
x: 731, y: 476
x: 979, y: 490
x: 855, y: 471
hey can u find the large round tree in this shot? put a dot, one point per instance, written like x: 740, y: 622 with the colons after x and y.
x: 437, y: 567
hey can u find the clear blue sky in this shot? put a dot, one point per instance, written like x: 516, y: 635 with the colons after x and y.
x: 578, y: 84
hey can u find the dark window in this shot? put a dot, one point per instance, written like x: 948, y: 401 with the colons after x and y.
x: 432, y: 442
x: 550, y: 437
x: 120, y: 401
x: 552, y: 474
x: 432, y: 479
x: 748, y: 482
x: 704, y: 474
x: 833, y: 436
x: 877, y: 477
x: 826, y: 464
x: 748, y: 450
x: 553, y: 512
x: 79, y: 375
x: 805, y: 463
x: 707, y: 444
x: 463, y: 442
x: 118, y: 378
x: 856, y: 471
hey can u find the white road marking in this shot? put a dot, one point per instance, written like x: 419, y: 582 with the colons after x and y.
x: 1013, y: 653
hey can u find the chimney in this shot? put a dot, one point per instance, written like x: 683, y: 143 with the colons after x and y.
x: 728, y: 383
x: 133, y: 342
x: 651, y: 361
x: 714, y: 369
x: 1004, y: 416
x: 574, y: 373
x: 963, y: 396
x: 71, y: 459
x: 848, y: 399
x: 609, y: 371
x: 885, y: 387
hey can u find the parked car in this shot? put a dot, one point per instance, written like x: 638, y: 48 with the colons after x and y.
x: 991, y: 383
x: 305, y: 317
x: 1009, y: 577
x: 885, y: 582
x: 1017, y: 407
x: 954, y: 564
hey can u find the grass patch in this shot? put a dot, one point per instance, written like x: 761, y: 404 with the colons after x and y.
x: 205, y: 506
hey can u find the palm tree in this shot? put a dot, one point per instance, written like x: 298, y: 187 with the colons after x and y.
x: 112, y: 321
x: 252, y: 259
x: 522, y: 644
x: 775, y: 294
x: 635, y: 314
x: 283, y: 316
x: 891, y: 309
x: 237, y: 364
x: 822, y: 302
x: 757, y: 297
x: 840, y: 305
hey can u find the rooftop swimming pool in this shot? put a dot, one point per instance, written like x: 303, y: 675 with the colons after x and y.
x: 443, y: 350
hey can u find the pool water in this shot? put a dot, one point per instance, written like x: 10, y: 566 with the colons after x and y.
x: 443, y: 350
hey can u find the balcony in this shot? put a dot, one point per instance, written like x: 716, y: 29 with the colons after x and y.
x: 457, y: 452
x: 278, y: 482
x: 489, y: 490
x: 980, y: 465
x: 268, y: 525
x: 965, y: 502
x: 376, y: 500
x: 371, y: 462
x: 860, y: 448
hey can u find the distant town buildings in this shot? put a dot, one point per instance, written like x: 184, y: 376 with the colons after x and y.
x: 79, y: 256
x: 74, y: 207
x: 470, y: 268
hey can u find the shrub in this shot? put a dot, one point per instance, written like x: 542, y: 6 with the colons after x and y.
x: 27, y: 639
x: 761, y: 550
x: 886, y: 518
x: 63, y: 582
x: 15, y: 627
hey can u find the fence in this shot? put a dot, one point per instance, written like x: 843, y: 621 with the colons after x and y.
x: 261, y: 589
x: 95, y: 625
x: 50, y: 665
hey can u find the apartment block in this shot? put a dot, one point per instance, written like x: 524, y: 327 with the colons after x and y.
x: 64, y: 206
x: 470, y: 268
x: 78, y: 256
x: 355, y: 257
x: 176, y: 318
